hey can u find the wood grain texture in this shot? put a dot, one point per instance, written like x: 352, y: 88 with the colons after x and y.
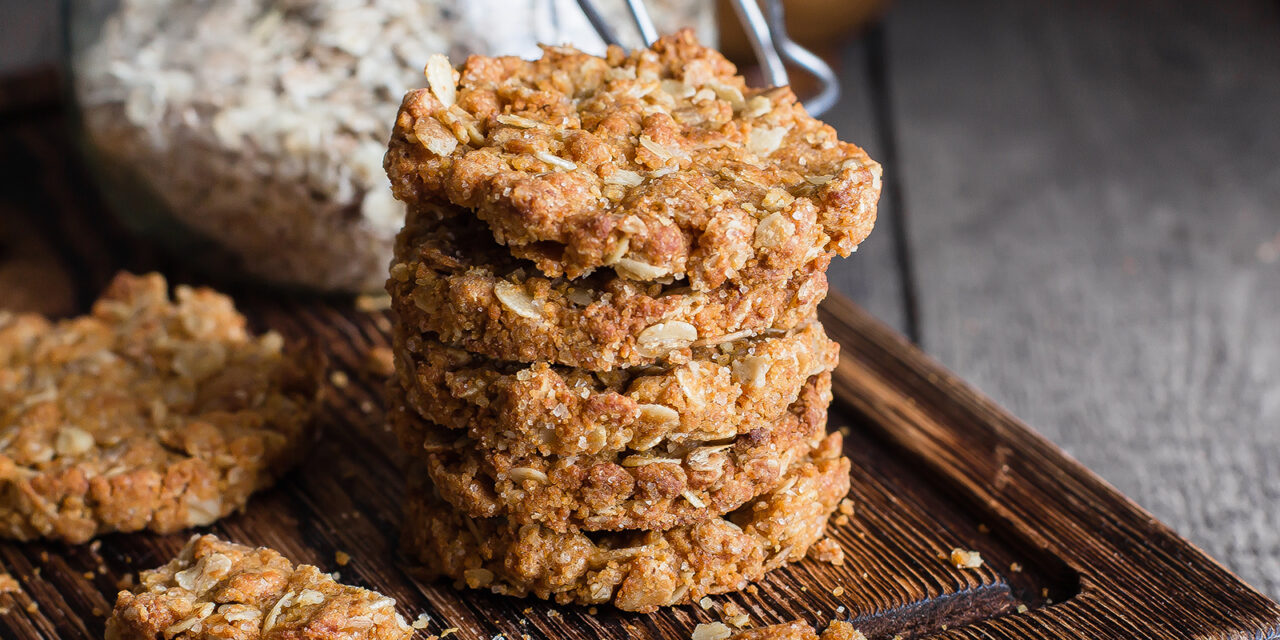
x: 1093, y: 193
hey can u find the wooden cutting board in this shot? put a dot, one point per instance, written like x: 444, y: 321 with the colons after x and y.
x: 936, y: 466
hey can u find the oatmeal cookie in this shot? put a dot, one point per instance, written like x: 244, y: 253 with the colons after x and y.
x: 144, y: 414
x: 635, y: 570
x: 540, y: 409
x: 217, y: 590
x: 661, y: 164
x: 798, y: 630
x: 449, y: 278
x: 665, y: 487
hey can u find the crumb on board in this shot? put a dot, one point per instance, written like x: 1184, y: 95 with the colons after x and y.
x: 448, y: 632
x: 828, y: 551
x: 982, y: 528
x: 846, y: 507
x: 1015, y: 567
x: 837, y: 592
x: 339, y: 379
x: 711, y: 631
x: 370, y: 303
x: 380, y: 361
x: 733, y: 614
x: 965, y: 558
x: 1022, y: 608
x: 8, y: 584
x: 706, y: 603
x: 342, y: 558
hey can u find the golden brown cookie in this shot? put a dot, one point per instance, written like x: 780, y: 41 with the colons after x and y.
x: 539, y: 409
x: 634, y: 570
x: 144, y: 414
x: 217, y: 590
x: 659, y: 164
x: 449, y: 278
x: 665, y: 487
x: 837, y: 630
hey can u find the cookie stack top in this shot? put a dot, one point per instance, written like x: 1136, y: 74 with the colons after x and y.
x: 645, y: 203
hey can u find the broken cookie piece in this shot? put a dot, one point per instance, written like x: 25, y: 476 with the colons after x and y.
x: 147, y: 414
x: 218, y: 590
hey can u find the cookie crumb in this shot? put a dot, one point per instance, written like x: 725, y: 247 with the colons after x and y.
x: 1015, y: 567
x: 837, y: 592
x: 380, y: 361
x: 342, y: 558
x: 706, y: 603
x: 735, y: 615
x: 827, y: 550
x: 8, y: 584
x: 711, y: 631
x: 846, y: 507
x: 1022, y: 608
x: 32, y: 607
x: 965, y: 558
x: 371, y: 303
x: 339, y: 379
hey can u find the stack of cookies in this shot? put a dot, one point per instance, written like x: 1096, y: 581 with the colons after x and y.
x: 610, y: 377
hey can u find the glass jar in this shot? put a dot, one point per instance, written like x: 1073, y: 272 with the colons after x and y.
x: 248, y: 135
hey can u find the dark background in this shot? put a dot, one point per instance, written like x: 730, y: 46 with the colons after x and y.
x: 1081, y: 218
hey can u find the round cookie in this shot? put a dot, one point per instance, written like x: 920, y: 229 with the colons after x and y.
x: 656, y: 164
x: 540, y: 409
x: 449, y: 278
x: 146, y: 414
x: 665, y: 487
x: 634, y: 570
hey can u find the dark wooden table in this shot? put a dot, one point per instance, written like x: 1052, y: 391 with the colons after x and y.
x: 1082, y: 218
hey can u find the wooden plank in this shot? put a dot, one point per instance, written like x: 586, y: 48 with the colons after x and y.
x: 1136, y: 577
x: 1092, y: 190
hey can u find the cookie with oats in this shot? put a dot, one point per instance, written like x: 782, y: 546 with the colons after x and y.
x: 218, y: 590
x: 664, y: 487
x: 658, y: 165
x: 633, y: 570
x: 146, y: 414
x: 540, y: 409
x: 798, y: 630
x: 450, y: 278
